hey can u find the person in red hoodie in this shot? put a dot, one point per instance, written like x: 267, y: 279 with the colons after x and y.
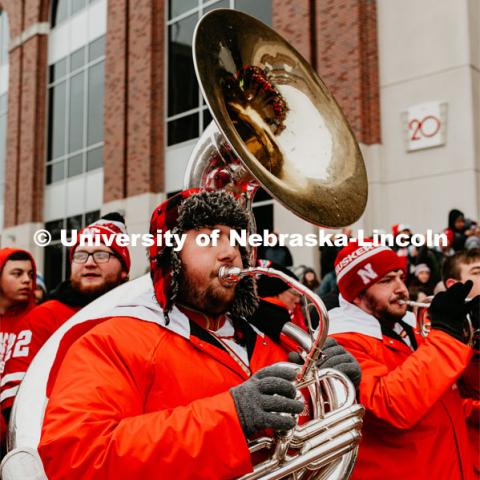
x: 172, y: 383
x: 94, y: 271
x: 17, y: 281
x: 414, y: 426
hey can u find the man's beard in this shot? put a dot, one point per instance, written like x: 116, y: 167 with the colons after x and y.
x: 383, y: 312
x: 212, y: 300
x: 93, y: 292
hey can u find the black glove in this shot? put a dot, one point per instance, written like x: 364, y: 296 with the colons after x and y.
x: 449, y: 309
x: 261, y: 400
x: 335, y: 356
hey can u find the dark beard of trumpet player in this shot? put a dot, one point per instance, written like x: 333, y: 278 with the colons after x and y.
x: 174, y: 384
x: 414, y: 426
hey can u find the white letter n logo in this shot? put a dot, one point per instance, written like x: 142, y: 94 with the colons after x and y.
x: 367, y: 273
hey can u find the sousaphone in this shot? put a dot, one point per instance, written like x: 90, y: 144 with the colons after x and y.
x: 277, y: 126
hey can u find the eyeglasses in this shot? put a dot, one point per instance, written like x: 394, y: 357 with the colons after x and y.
x: 98, y: 257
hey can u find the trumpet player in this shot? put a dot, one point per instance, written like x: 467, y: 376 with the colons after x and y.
x: 461, y: 267
x: 173, y: 385
x: 414, y: 426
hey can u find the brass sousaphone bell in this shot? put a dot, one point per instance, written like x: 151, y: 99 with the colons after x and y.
x: 277, y: 126
x: 272, y: 111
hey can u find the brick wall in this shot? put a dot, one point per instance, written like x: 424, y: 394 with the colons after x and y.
x: 339, y: 38
x: 24, y: 172
x: 134, y: 98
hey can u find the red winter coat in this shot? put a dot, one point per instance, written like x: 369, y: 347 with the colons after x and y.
x: 15, y: 338
x: 41, y: 322
x: 414, y: 427
x: 135, y: 399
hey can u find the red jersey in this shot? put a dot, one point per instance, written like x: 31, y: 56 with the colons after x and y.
x: 15, y: 336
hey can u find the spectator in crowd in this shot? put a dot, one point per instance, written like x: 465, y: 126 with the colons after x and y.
x: 310, y: 279
x: 94, y: 271
x: 17, y: 281
x: 458, y: 228
x: 414, y: 426
x: 422, y: 286
x: 473, y: 241
x: 40, y: 291
x: 173, y: 384
x: 328, y: 285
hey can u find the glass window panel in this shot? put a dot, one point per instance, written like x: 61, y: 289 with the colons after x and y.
x: 207, y: 118
x: 95, y: 103
x: 263, y: 217
x: 183, y: 129
x: 77, y: 5
x: 177, y: 7
x: 52, y: 267
x: 96, y: 48
x: 58, y: 70
x: 56, y: 123
x: 66, y: 263
x: 3, y: 103
x: 3, y: 133
x: 222, y: 4
x: 55, y: 172
x: 261, y: 195
x: 59, y: 11
x: 95, y: 159
x: 75, y: 136
x: 182, y: 81
x: 74, y: 223
x: 77, y: 59
x: 91, y: 217
x: 260, y: 10
x: 4, y: 38
x: 75, y: 165
x: 54, y: 228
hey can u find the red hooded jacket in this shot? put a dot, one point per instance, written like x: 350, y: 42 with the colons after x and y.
x: 15, y: 337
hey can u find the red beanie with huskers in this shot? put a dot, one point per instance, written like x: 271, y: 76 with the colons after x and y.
x: 357, y: 267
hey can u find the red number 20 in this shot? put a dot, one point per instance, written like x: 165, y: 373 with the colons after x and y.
x: 427, y: 127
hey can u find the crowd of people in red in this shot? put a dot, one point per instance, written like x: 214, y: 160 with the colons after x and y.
x: 175, y: 384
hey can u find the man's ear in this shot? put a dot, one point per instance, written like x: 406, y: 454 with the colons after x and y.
x: 124, y: 275
x: 450, y: 281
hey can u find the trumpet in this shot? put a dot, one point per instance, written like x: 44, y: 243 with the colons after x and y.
x: 412, y: 303
x: 424, y: 323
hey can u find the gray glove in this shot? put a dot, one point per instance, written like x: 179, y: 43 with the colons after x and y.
x: 335, y: 356
x: 261, y: 400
